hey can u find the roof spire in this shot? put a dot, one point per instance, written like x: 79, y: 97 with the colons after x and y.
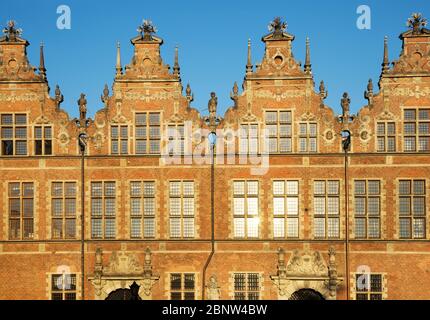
x: 176, y: 68
x: 42, y: 69
x: 386, y: 62
x: 308, y: 65
x: 118, y: 60
x: 249, y: 65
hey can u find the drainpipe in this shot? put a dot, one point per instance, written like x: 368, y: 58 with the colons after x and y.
x: 212, y: 215
x: 346, y: 142
x: 82, y: 145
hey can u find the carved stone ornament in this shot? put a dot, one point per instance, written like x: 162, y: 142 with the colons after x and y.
x: 122, y: 271
x: 249, y: 116
x: 308, y: 116
x: 13, y: 97
x: 213, y: 290
x: 42, y: 120
x: 306, y: 270
x: 417, y: 92
x: 386, y: 115
x: 329, y: 136
x: 278, y: 95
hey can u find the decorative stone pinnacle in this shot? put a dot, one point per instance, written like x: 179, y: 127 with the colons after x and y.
x: 416, y: 22
x: 105, y: 96
x: 82, y: 103
x: 212, y: 120
x: 249, y: 66
x: 277, y: 27
x: 118, y: 60
x: 368, y: 94
x: 11, y: 32
x: 59, y: 98
x: 386, y: 61
x: 234, y: 94
x: 323, y: 93
x: 42, y: 69
x: 189, y: 95
x: 176, y: 68
x: 308, y: 65
x: 146, y: 30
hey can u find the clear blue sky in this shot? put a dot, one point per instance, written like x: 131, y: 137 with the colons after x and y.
x: 212, y: 36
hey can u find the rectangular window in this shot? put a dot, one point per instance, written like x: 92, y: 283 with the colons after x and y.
x: 416, y: 130
x: 43, y: 140
x: 13, y: 135
x: 119, y: 139
x: 326, y: 209
x: 286, y: 209
x: 182, y: 286
x: 148, y: 132
x: 176, y: 136
x: 248, y: 139
x: 308, y: 137
x: 63, y: 287
x: 386, y: 136
x: 247, y: 286
x: 367, y: 200
x: 181, y: 209
x: 63, y: 203
x: 142, y: 209
x: 368, y: 286
x: 103, y: 210
x: 246, y: 209
x: 412, y: 209
x: 21, y: 210
x: 279, y: 131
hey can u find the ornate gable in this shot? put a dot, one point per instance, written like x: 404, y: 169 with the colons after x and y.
x: 278, y: 60
x: 147, y: 62
x: 14, y: 64
x: 415, y: 57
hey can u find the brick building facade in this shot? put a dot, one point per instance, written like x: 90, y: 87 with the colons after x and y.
x: 288, y: 210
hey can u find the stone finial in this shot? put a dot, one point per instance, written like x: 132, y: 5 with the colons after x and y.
x: 118, y: 67
x: 42, y: 69
x: 11, y: 32
x: 386, y: 61
x: 323, y: 93
x: 368, y: 94
x: 234, y: 95
x: 277, y: 27
x: 308, y: 65
x: 249, y: 66
x: 345, y: 103
x: 176, y: 68
x: 213, y: 103
x: 146, y: 29
x: 105, y: 96
x: 189, y: 95
x: 82, y: 103
x: 212, y: 120
x: 416, y: 22
x: 59, y: 98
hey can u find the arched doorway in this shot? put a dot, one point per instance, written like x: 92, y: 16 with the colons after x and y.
x: 125, y: 294
x: 307, y: 295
